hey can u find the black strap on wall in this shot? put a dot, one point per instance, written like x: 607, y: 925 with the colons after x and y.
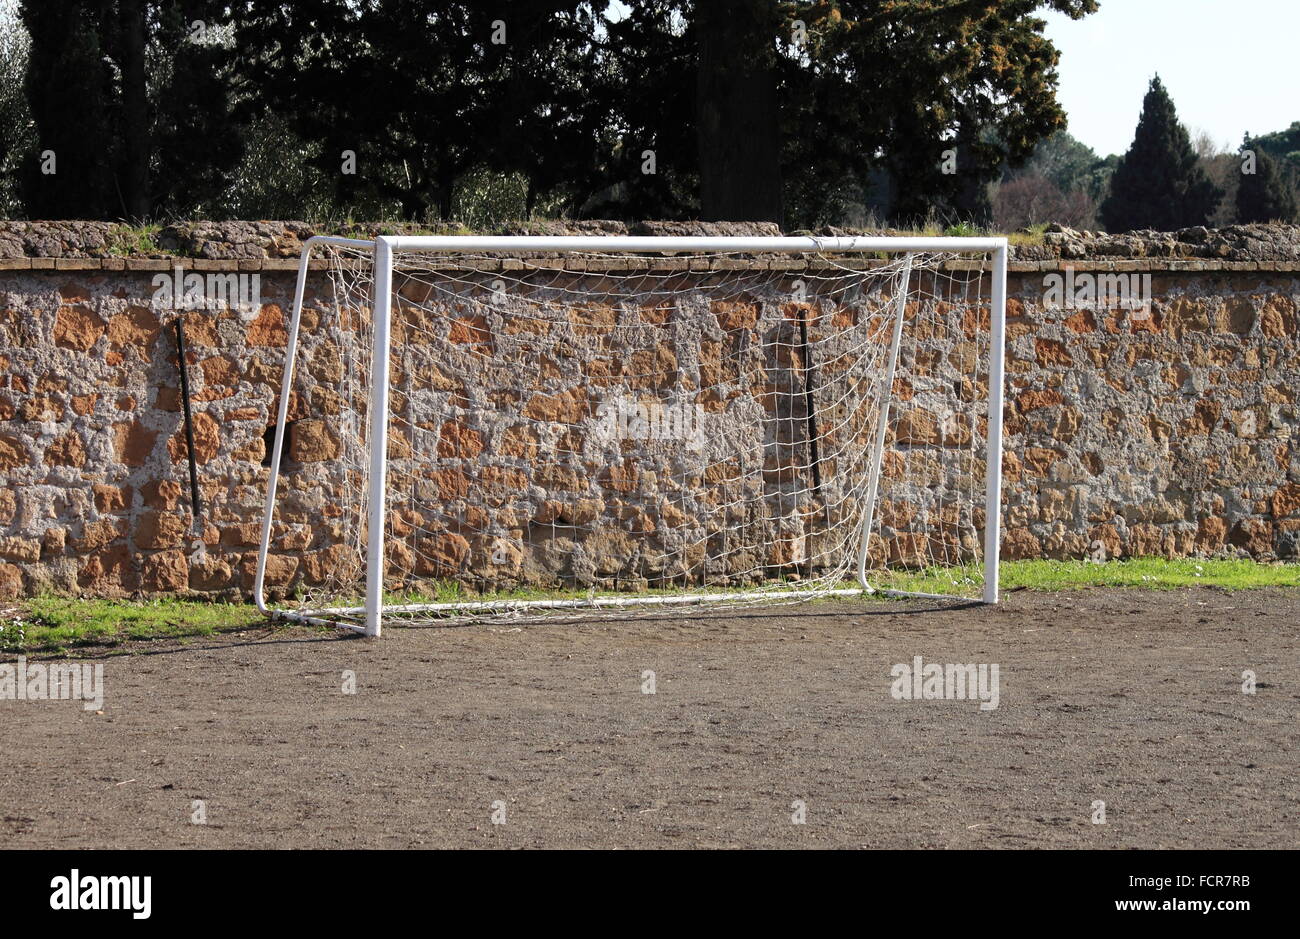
x: 196, y: 505
x: 809, y: 386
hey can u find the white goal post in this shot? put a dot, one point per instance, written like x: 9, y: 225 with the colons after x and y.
x: 520, y: 424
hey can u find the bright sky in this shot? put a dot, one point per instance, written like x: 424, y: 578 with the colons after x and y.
x: 1230, y: 65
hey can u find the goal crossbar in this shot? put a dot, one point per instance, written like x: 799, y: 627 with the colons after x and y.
x: 383, y: 251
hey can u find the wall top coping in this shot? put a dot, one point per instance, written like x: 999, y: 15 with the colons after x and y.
x: 663, y: 264
x: 276, y: 245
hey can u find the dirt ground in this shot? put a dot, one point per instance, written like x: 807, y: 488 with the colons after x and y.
x: 1130, y: 697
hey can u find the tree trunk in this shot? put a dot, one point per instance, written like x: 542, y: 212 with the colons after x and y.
x: 446, y: 193
x: 413, y: 207
x: 736, y: 112
x: 135, y: 112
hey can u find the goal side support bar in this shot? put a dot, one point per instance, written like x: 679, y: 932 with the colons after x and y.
x: 993, y: 449
x: 882, y: 425
x: 378, y: 435
x: 993, y: 467
x: 286, y: 384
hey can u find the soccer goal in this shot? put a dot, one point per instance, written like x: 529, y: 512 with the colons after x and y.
x: 531, y: 425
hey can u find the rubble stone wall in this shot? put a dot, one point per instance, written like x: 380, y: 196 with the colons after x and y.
x: 1169, y: 431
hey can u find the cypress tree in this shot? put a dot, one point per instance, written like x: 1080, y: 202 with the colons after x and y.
x: 1159, y: 183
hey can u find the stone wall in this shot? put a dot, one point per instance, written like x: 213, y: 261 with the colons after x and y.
x: 1170, y: 434
x: 1167, y: 434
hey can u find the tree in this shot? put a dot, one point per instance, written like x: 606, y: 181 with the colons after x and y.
x: 130, y: 126
x: 732, y: 109
x: 860, y: 86
x: 1159, y: 182
x: 422, y: 92
x: 736, y: 111
x: 1223, y: 168
x: 197, y: 136
x: 915, y: 79
x: 1067, y: 162
x: 382, y: 92
x: 642, y: 92
x: 1282, y: 145
x: 1265, y: 193
x: 69, y: 88
x: 16, y: 135
x: 1031, y: 199
x: 547, y: 94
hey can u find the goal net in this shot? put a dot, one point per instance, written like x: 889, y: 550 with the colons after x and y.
x: 520, y: 426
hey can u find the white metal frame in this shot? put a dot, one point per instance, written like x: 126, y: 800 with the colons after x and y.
x: 385, y: 247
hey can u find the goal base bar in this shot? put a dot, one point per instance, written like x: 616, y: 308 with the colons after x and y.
x: 320, y: 617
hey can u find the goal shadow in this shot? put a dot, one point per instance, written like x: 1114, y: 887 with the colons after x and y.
x: 813, y: 610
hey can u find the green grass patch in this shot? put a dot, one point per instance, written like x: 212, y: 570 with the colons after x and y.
x: 1153, y: 573
x: 1025, y: 239
x: 1157, y: 573
x: 126, y: 241
x: 58, y: 624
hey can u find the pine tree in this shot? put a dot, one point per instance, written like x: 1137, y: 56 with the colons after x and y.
x: 1265, y: 193
x: 1159, y: 183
